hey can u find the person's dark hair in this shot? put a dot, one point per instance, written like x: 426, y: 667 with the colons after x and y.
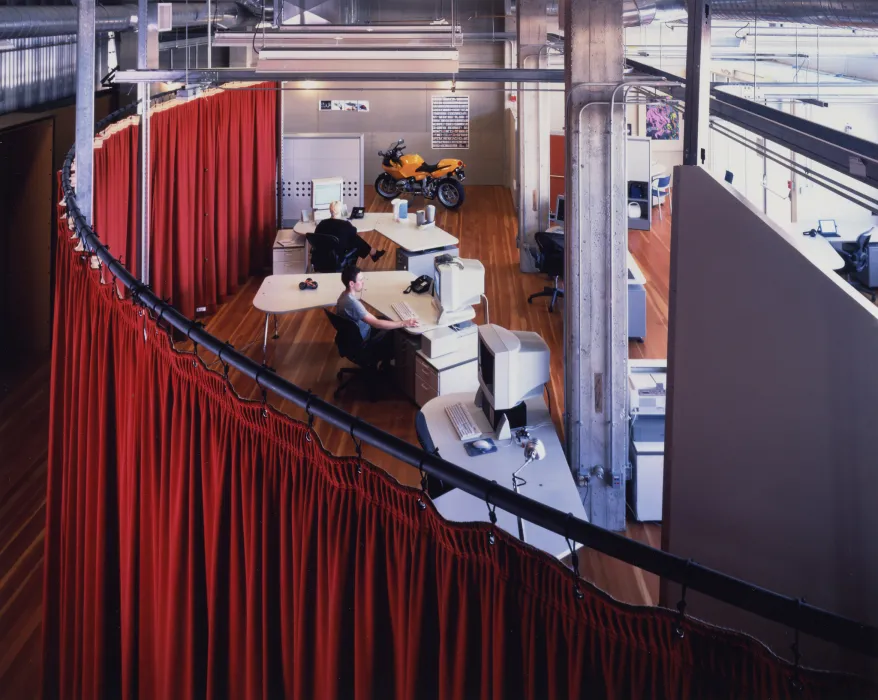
x: 349, y: 274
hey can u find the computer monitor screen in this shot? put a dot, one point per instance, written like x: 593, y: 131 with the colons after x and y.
x: 457, y: 285
x: 827, y: 226
x: 325, y: 191
x: 559, y: 209
x: 486, y: 366
x: 513, y: 366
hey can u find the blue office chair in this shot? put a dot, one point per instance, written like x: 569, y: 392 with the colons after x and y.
x: 857, y: 264
x: 661, y: 191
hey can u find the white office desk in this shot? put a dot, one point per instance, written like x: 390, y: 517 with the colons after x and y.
x: 818, y: 249
x: 405, y: 234
x: 635, y: 276
x: 549, y: 481
x: 280, y: 294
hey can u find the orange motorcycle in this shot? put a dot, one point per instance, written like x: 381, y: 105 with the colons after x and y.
x: 410, y: 174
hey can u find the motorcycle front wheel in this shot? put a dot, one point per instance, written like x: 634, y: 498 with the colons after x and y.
x: 450, y: 193
x: 386, y: 186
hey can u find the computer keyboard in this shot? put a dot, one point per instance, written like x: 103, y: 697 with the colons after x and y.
x: 403, y: 310
x: 462, y: 421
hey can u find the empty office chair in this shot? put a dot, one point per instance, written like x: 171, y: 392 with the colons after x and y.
x: 351, y: 346
x: 435, y: 486
x: 661, y: 190
x: 857, y: 263
x: 324, y: 253
x: 550, y: 260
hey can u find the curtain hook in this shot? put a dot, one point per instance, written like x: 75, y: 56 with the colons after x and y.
x: 492, y: 515
x: 358, y: 447
x: 574, y: 557
x: 192, y: 326
x: 310, y: 416
x: 223, y: 362
x: 264, y: 391
x: 795, y: 681
x: 423, y: 495
x: 681, y: 606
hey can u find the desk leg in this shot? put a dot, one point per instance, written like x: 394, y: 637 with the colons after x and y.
x: 265, y: 338
x: 276, y: 334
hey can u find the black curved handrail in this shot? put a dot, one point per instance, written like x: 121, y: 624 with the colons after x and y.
x: 791, y: 612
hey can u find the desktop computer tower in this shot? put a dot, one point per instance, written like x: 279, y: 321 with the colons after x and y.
x: 421, y: 262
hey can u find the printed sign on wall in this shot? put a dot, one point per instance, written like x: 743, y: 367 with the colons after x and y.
x: 450, y: 123
x: 344, y: 105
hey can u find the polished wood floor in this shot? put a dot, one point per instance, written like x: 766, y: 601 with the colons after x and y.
x: 306, y: 355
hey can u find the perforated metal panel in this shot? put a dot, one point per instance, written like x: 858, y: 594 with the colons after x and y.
x: 309, y: 156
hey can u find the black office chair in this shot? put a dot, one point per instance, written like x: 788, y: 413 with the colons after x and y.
x: 435, y: 486
x: 351, y: 346
x: 324, y: 253
x: 857, y: 262
x: 550, y: 260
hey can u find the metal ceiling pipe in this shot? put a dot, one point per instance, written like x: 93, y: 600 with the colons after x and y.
x: 825, y: 13
x: 18, y: 21
x: 638, y: 12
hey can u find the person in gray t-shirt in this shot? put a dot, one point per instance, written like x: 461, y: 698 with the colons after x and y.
x: 372, y: 329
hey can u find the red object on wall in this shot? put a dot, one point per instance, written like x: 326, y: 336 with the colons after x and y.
x: 557, y: 162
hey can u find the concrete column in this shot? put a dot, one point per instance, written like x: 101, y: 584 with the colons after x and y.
x: 147, y: 57
x: 596, y: 298
x: 696, y: 133
x: 85, y: 105
x: 533, y: 131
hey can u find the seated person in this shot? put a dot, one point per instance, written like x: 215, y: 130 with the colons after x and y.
x: 346, y: 233
x: 372, y: 329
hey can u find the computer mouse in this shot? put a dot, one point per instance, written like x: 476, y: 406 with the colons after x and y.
x: 482, y: 445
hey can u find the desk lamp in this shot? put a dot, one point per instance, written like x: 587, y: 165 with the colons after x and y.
x: 534, y: 450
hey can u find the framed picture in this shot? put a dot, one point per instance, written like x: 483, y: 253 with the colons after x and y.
x: 663, y: 122
x: 344, y: 105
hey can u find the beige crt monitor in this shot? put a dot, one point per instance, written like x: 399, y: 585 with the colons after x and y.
x: 513, y: 366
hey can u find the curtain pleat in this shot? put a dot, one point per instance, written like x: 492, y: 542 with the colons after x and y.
x: 199, y: 548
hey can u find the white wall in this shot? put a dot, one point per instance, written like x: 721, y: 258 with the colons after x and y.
x: 771, y: 467
x: 403, y: 110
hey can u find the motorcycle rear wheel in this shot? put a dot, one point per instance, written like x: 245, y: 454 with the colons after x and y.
x: 450, y: 193
x: 386, y: 186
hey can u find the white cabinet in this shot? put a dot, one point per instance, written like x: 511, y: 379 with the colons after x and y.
x: 648, y: 466
x: 431, y: 382
x: 448, y: 374
x: 289, y: 256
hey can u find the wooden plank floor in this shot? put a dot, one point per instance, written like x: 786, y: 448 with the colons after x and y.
x: 306, y: 355
x: 24, y: 421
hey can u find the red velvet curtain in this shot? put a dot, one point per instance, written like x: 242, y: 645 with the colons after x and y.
x: 116, y: 194
x: 196, y: 548
x: 214, y: 168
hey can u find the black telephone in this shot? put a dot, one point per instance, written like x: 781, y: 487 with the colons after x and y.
x: 421, y: 285
x: 358, y: 213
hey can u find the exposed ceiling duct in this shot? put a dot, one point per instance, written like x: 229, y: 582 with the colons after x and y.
x: 29, y: 21
x: 824, y: 13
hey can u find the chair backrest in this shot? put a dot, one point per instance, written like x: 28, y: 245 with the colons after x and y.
x: 861, y: 255
x: 347, y: 335
x: 551, y: 260
x: 324, y: 252
x: 423, y: 433
x: 663, y: 182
